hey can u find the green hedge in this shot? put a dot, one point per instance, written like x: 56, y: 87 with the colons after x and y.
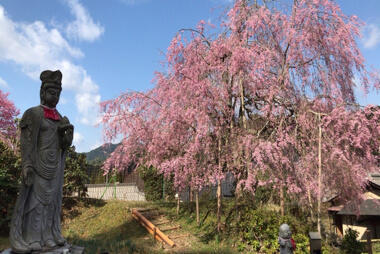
x: 154, y: 184
x: 257, y: 231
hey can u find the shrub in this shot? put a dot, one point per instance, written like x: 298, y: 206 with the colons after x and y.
x: 350, y: 244
x: 153, y: 184
x: 75, y: 174
x: 258, y: 231
x: 9, y: 180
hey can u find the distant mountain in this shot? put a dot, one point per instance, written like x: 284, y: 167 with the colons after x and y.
x: 101, y: 153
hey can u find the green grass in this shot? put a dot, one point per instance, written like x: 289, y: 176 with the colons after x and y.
x: 108, y: 226
x: 376, y: 247
x: 101, y: 226
x: 206, y: 232
x: 4, y: 243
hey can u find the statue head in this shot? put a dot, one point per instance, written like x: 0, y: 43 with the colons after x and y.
x: 51, y: 87
x: 285, y: 231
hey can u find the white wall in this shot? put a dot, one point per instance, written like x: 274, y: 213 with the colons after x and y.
x: 121, y: 192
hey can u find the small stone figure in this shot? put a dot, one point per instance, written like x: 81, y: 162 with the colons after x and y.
x: 45, y: 138
x: 285, y: 240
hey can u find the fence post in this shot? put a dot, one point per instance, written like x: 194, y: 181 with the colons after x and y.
x: 369, y: 242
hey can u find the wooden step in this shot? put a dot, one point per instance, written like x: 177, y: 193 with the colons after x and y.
x: 152, y: 229
x: 162, y: 222
x: 171, y: 228
x: 179, y: 236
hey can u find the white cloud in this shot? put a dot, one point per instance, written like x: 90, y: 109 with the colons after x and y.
x: 78, y: 138
x: 86, y: 102
x: 83, y: 27
x: 371, y: 36
x: 34, y: 47
x: 32, y: 44
x: 3, y: 83
x: 87, y: 96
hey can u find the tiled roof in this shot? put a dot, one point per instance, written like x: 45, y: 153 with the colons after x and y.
x: 366, y: 207
x: 335, y: 208
x: 375, y: 178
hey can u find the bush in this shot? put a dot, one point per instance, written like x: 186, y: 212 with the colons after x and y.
x: 258, y: 231
x: 153, y: 184
x: 75, y: 174
x: 327, y: 248
x: 10, y: 170
x: 350, y: 244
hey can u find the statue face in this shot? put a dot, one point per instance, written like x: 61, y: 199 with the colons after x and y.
x: 51, y: 97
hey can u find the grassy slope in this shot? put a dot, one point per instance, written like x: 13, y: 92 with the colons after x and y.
x: 105, y: 226
x: 108, y: 226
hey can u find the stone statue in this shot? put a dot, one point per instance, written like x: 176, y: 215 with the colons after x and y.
x: 45, y: 137
x: 285, y: 240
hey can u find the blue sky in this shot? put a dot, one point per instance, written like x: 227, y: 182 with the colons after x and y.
x: 106, y: 47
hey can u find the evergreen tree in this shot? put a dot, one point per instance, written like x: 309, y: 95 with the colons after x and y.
x: 75, y: 174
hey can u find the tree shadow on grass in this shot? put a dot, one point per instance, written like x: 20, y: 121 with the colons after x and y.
x: 70, y: 202
x: 70, y: 206
x: 129, y: 237
x: 208, y: 251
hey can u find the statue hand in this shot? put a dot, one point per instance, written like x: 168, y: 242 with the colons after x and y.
x: 69, y: 135
x: 65, y: 125
x: 66, y: 130
x: 27, y: 174
x: 64, y: 120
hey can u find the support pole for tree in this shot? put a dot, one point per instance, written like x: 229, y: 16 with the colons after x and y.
x: 219, y: 188
x: 163, y: 188
x: 310, y: 205
x: 178, y: 204
x: 319, y: 168
x: 219, y: 198
x: 282, y: 203
x: 197, y: 205
x: 319, y: 172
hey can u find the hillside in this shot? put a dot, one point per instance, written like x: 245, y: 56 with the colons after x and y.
x: 101, y: 153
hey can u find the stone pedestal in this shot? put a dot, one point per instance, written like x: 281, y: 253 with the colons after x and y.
x: 67, y: 249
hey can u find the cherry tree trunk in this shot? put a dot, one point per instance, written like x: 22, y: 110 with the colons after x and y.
x: 311, y: 207
x: 190, y: 194
x: 242, y: 103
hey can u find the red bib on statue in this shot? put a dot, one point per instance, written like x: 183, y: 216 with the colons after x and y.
x: 51, y: 113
